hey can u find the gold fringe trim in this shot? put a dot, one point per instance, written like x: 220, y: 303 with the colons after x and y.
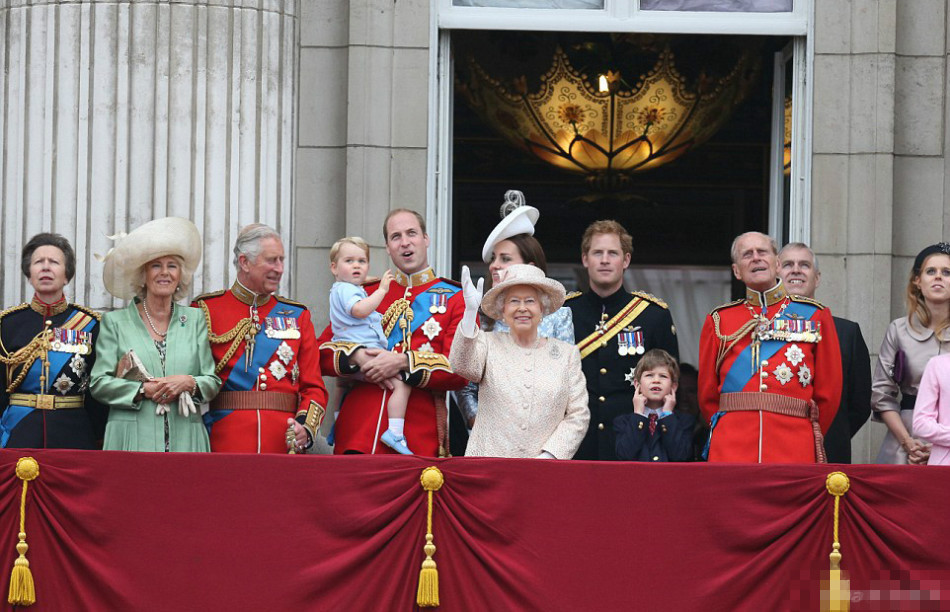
x: 428, y: 594
x: 837, y: 598
x: 22, y: 589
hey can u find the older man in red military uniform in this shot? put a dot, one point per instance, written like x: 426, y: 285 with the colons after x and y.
x: 420, y: 314
x: 273, y: 398
x: 769, y: 366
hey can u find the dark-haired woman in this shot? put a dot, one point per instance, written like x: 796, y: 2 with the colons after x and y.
x: 908, y: 345
x: 46, y: 350
x: 512, y: 242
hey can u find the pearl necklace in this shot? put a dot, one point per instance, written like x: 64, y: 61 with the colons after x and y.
x: 151, y: 324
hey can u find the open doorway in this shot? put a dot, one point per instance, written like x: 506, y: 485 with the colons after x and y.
x: 682, y: 213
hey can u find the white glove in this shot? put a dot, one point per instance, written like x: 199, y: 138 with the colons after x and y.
x: 186, y: 406
x: 545, y: 455
x: 473, y: 300
x: 161, y: 409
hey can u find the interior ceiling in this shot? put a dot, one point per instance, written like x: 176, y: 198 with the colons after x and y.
x: 684, y: 213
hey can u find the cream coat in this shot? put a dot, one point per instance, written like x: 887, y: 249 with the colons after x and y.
x: 529, y: 400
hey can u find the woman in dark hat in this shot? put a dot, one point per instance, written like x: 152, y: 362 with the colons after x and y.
x: 908, y: 345
x: 47, y: 352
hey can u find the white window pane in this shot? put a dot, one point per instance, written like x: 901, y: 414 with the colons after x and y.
x: 533, y: 4
x: 738, y: 6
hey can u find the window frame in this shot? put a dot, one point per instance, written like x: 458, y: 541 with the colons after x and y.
x: 616, y: 16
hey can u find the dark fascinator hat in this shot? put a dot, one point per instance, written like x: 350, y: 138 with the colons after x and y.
x: 940, y: 247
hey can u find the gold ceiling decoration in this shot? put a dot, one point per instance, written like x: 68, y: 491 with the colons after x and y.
x: 610, y: 131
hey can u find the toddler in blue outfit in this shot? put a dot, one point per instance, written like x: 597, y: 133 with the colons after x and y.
x: 353, y: 318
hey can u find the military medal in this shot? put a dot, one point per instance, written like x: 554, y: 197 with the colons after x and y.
x: 601, y: 328
x: 622, y: 344
x: 431, y: 328
x: 281, y: 328
x: 438, y: 302
x: 638, y: 340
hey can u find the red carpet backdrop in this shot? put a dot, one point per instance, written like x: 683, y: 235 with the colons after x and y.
x: 124, y: 531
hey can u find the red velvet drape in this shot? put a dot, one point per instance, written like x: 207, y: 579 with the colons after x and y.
x: 138, y: 531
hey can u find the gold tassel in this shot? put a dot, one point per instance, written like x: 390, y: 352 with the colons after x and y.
x: 22, y: 590
x: 838, y: 596
x: 428, y: 594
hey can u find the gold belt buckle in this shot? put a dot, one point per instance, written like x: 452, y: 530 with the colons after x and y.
x: 45, y: 402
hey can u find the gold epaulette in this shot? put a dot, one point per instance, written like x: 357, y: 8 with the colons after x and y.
x: 205, y: 296
x: 88, y: 311
x: 650, y: 298
x: 281, y: 298
x: 572, y: 295
x: 12, y: 309
x: 726, y: 305
x: 807, y: 300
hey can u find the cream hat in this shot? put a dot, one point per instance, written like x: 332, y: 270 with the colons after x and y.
x: 523, y: 274
x: 517, y: 218
x: 157, y: 238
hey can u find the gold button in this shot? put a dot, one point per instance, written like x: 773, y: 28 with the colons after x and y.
x: 603, y: 344
x: 656, y: 458
x: 263, y: 386
x: 603, y: 370
x: 602, y: 399
x: 600, y: 426
x: 763, y: 387
x: 765, y: 362
x: 640, y: 424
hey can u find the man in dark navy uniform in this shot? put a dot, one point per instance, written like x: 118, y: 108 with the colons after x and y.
x: 613, y: 329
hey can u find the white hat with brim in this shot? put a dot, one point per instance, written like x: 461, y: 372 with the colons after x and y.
x: 519, y: 221
x: 525, y: 275
x: 158, y: 238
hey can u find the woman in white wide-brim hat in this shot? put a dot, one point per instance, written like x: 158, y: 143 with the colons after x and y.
x: 153, y: 266
x: 532, y: 392
x: 512, y: 242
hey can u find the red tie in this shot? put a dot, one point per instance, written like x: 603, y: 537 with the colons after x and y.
x: 652, y: 423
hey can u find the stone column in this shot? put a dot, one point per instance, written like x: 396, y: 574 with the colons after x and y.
x: 114, y: 113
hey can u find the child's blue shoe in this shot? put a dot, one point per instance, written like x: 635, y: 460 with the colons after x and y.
x: 397, y: 443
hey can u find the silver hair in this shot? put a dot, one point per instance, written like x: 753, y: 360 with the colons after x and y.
x: 734, y: 249
x: 801, y: 245
x: 184, y: 280
x: 544, y: 298
x: 248, y: 242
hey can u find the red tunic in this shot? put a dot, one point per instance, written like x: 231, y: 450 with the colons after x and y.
x: 362, y: 417
x: 285, y: 359
x: 794, y: 364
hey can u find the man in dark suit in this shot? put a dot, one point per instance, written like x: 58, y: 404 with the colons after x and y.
x: 798, y: 268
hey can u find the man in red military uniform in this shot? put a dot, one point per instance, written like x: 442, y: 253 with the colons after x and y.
x: 273, y: 398
x: 769, y: 366
x: 420, y: 314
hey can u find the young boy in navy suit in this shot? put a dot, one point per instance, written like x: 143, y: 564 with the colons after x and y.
x: 653, y: 431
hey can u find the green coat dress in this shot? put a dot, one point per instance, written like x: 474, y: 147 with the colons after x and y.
x: 134, y: 426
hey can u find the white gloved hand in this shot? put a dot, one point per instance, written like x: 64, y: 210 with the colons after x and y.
x: 186, y: 406
x: 473, y: 300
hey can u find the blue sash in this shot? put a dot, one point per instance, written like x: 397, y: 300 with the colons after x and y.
x: 264, y: 349
x: 31, y: 384
x: 241, y: 380
x: 741, y: 370
x: 420, y: 310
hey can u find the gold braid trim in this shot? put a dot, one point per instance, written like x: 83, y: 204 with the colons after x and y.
x: 394, y: 313
x: 38, y: 347
x: 235, y: 336
x: 731, y: 339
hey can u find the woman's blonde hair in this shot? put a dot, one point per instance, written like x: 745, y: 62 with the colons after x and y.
x: 917, y: 306
x: 184, y: 280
